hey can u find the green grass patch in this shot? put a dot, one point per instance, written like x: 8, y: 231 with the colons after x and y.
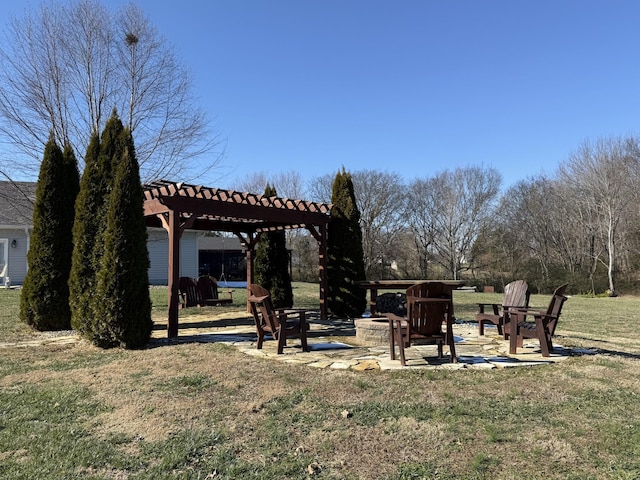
x: 188, y: 384
x: 43, y: 433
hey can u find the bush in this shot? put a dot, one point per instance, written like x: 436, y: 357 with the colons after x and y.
x: 345, y: 264
x: 44, y: 303
x: 123, y: 307
x: 272, y: 264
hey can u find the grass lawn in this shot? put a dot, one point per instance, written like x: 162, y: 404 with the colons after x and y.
x: 206, y: 411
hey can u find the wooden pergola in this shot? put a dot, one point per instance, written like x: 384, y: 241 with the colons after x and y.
x: 178, y: 206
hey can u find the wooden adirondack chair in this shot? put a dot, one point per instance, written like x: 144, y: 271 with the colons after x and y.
x: 208, y: 290
x: 200, y: 293
x: 274, y: 321
x: 543, y: 327
x: 516, y: 294
x: 188, y: 291
x: 428, y: 306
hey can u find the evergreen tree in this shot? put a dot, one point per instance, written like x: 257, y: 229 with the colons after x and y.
x: 90, y: 222
x: 123, y: 307
x: 81, y: 280
x: 272, y: 264
x: 345, y: 264
x: 44, y: 302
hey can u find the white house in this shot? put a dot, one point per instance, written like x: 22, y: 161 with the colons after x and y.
x: 16, y: 213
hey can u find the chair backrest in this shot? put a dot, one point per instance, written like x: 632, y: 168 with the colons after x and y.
x: 188, y: 289
x: 555, y: 307
x: 424, y: 318
x: 262, y: 307
x: 516, y: 294
x: 208, y: 287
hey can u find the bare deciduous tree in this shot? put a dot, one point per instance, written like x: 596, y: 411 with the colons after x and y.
x: 529, y: 234
x: 603, y: 175
x: 65, y: 66
x: 448, y: 212
x: 287, y: 184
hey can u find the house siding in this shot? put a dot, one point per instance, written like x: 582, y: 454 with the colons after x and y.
x: 158, y: 247
x: 16, y: 257
x: 15, y: 218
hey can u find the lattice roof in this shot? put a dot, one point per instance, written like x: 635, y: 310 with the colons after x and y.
x: 228, y: 210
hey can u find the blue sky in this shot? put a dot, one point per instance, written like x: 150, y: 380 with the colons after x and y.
x: 406, y: 86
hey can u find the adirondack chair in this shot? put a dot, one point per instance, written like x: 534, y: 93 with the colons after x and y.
x: 188, y: 291
x: 208, y: 289
x: 198, y: 293
x: 276, y: 322
x: 543, y: 327
x: 516, y: 294
x: 428, y: 306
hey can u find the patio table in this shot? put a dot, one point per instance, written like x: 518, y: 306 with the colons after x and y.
x: 374, y: 285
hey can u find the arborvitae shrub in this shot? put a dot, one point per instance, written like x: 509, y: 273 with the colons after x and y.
x: 123, y: 306
x: 345, y: 264
x: 82, y: 278
x: 272, y: 264
x: 90, y: 222
x: 44, y: 300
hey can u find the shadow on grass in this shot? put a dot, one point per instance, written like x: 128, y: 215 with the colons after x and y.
x: 603, y: 347
x: 212, y: 329
x: 208, y: 323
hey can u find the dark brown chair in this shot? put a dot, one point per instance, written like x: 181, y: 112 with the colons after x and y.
x: 208, y: 289
x: 516, y: 294
x: 429, y: 305
x: 200, y: 293
x: 276, y: 322
x: 543, y: 327
x: 188, y: 291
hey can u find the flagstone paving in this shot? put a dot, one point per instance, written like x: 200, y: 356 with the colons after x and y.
x: 333, y: 344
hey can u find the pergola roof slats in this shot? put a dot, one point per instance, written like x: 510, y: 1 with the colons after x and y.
x: 222, y: 208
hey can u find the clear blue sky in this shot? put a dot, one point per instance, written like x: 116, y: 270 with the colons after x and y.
x: 407, y: 86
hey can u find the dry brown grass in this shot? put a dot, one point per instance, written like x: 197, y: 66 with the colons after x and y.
x: 575, y: 419
x: 443, y: 420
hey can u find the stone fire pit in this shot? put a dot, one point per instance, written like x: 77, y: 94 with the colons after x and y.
x: 372, y: 331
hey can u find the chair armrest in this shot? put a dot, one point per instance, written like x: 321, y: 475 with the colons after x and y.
x: 524, y: 312
x: 285, y: 313
x: 395, y: 322
x: 280, y: 311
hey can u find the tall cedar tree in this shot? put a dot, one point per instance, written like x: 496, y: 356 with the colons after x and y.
x: 272, y: 264
x: 123, y: 306
x: 345, y: 264
x: 44, y: 302
x: 90, y: 222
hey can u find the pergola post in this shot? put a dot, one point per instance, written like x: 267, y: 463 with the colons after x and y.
x: 174, y: 232
x: 322, y: 271
x: 249, y: 244
x: 321, y: 237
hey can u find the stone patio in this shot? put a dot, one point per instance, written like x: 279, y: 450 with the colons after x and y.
x: 334, y: 344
